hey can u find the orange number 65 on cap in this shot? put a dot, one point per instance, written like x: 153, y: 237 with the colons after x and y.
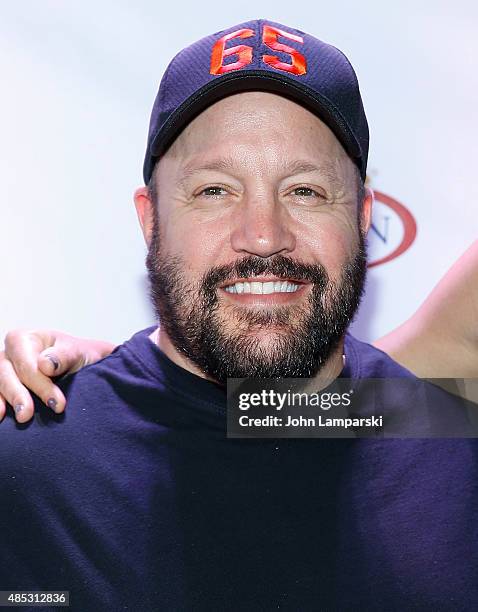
x: 297, y: 66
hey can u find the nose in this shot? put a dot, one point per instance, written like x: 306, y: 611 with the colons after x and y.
x: 262, y: 226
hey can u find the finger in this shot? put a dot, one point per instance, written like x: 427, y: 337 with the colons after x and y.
x: 12, y: 391
x: 60, y: 359
x: 44, y: 388
x: 50, y: 364
x: 3, y: 407
x: 20, y: 342
x: 23, y: 354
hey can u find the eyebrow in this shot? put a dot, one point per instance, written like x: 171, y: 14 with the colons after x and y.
x: 191, y: 169
x: 305, y: 167
x: 226, y: 164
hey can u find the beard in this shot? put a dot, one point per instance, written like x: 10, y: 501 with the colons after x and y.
x: 229, y: 341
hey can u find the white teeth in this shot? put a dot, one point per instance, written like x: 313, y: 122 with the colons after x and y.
x: 258, y: 288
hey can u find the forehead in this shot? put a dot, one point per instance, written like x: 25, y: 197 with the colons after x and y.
x: 257, y: 119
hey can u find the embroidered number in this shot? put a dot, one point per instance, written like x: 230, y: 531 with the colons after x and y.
x: 269, y: 37
x: 270, y: 34
x: 244, y: 52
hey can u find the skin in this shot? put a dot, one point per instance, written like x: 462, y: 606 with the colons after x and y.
x: 441, y: 339
x: 235, y: 183
x: 233, y: 177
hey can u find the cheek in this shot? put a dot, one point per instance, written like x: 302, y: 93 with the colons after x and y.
x: 200, y: 246
x: 333, y: 243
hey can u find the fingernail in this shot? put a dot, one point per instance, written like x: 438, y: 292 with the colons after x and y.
x: 54, y: 361
x: 51, y: 403
x: 18, y: 408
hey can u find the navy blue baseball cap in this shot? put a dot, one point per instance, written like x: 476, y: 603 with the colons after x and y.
x: 259, y: 55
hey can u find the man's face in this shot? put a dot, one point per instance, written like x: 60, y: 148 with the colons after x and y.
x: 256, y: 260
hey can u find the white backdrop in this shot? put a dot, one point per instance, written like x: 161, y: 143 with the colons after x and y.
x: 78, y: 82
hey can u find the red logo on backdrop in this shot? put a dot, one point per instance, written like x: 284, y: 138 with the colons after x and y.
x: 393, y: 230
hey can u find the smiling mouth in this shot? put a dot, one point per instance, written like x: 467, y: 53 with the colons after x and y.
x: 263, y: 287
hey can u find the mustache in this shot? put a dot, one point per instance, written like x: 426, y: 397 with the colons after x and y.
x: 280, y: 266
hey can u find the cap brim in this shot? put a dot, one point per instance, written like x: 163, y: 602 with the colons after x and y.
x: 251, y: 80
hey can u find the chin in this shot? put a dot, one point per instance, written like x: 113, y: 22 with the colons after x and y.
x: 267, y: 339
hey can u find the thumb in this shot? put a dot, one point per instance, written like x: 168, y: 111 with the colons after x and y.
x: 57, y: 360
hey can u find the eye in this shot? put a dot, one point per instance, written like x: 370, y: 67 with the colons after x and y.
x: 306, y: 192
x: 215, y: 191
x: 306, y: 195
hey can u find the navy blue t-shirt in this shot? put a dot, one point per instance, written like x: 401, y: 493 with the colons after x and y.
x: 135, y: 499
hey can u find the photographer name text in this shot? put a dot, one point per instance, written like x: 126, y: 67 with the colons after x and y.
x: 320, y: 421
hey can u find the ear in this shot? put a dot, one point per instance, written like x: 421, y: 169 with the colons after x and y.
x: 366, y: 211
x: 144, y: 209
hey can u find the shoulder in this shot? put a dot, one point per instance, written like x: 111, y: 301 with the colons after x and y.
x: 129, y: 365
x: 418, y: 405
x: 370, y: 362
x: 94, y: 387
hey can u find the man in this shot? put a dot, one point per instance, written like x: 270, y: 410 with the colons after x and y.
x: 254, y: 214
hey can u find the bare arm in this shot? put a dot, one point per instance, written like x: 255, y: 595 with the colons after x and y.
x: 441, y: 339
